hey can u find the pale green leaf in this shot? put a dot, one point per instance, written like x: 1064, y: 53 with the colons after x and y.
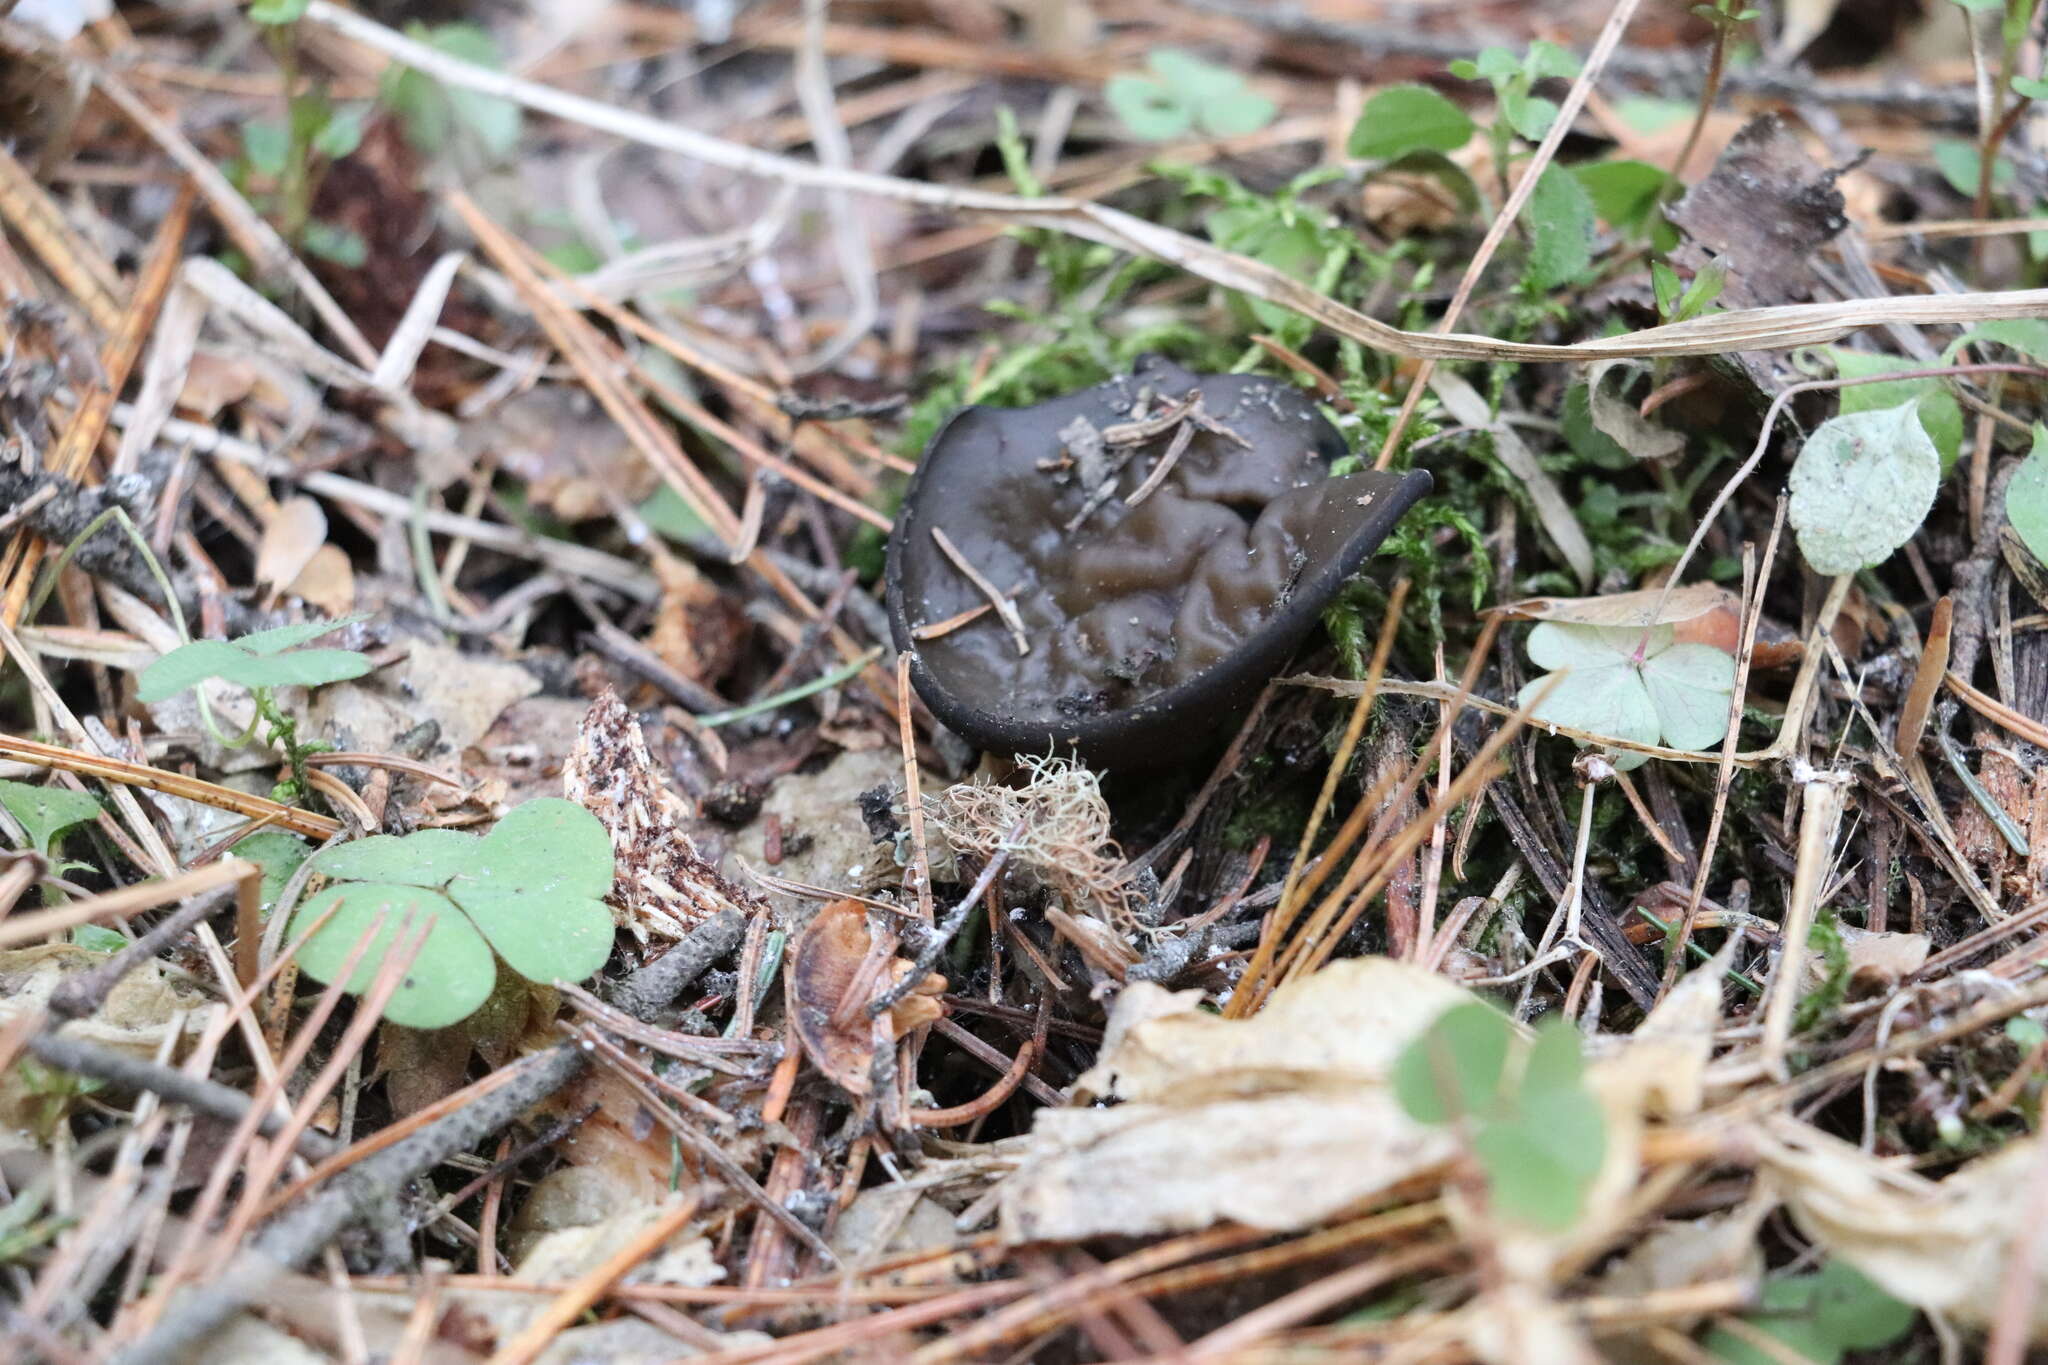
x: 1193, y: 79
x: 2026, y: 497
x: 1609, y: 701
x: 186, y: 666
x: 278, y: 854
x: 1148, y: 108
x: 1562, y: 644
x: 300, y: 668
x: 450, y: 977
x: 281, y: 638
x: 1236, y: 113
x: 1861, y: 486
x: 1408, y: 118
x: 1689, y: 685
x: 2028, y: 336
x: 540, y: 934
x: 550, y: 845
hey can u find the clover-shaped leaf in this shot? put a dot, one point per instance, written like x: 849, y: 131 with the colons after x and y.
x: 531, y: 891
x: 1861, y: 487
x: 269, y: 658
x: 1821, y: 1316
x: 1184, y: 92
x: 46, y: 812
x: 1534, y: 1126
x: 1630, y: 683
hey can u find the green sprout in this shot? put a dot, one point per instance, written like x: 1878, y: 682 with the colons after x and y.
x: 262, y: 662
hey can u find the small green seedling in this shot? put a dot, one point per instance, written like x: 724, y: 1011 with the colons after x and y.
x: 1820, y: 1317
x: 1532, y: 1123
x: 1184, y: 93
x: 283, y: 162
x: 532, y: 891
x: 1680, y: 300
x: 1630, y: 682
x: 1861, y: 486
x: 261, y: 662
x: 1512, y: 78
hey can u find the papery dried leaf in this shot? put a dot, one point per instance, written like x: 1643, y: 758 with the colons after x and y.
x: 1940, y: 1245
x: 826, y: 967
x: 1644, y: 607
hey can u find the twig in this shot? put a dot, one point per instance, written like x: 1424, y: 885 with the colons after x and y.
x: 937, y: 937
x: 134, y: 1073
x: 1820, y: 811
x: 79, y: 995
x: 662, y: 980
x: 1004, y: 607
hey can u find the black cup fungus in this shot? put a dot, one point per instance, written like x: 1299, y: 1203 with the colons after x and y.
x: 1166, y: 540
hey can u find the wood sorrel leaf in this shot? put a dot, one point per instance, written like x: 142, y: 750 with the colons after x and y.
x: 449, y: 978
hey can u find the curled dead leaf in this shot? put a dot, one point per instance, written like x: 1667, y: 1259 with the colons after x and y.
x: 836, y: 967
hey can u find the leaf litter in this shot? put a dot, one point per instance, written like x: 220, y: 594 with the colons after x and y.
x: 1303, y: 1038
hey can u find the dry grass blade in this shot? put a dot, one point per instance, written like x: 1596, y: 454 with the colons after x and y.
x: 120, y: 905
x: 261, y: 808
x: 75, y: 263
x: 1737, y: 330
x: 595, y: 361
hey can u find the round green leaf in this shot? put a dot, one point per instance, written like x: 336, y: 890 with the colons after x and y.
x: 1192, y: 78
x: 1408, y: 118
x: 1861, y: 487
x: 450, y: 977
x: 428, y: 857
x: 1148, y: 108
x: 1454, y: 1069
x: 1539, y: 1165
x: 549, y: 845
x: 2026, y: 498
x: 1236, y: 113
x: 1689, y: 686
x: 541, y: 935
x: 187, y: 666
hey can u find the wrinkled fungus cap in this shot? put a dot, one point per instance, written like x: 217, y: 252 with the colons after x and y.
x: 1152, y: 626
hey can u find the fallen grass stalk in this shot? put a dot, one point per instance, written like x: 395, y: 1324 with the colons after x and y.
x: 1742, y: 329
